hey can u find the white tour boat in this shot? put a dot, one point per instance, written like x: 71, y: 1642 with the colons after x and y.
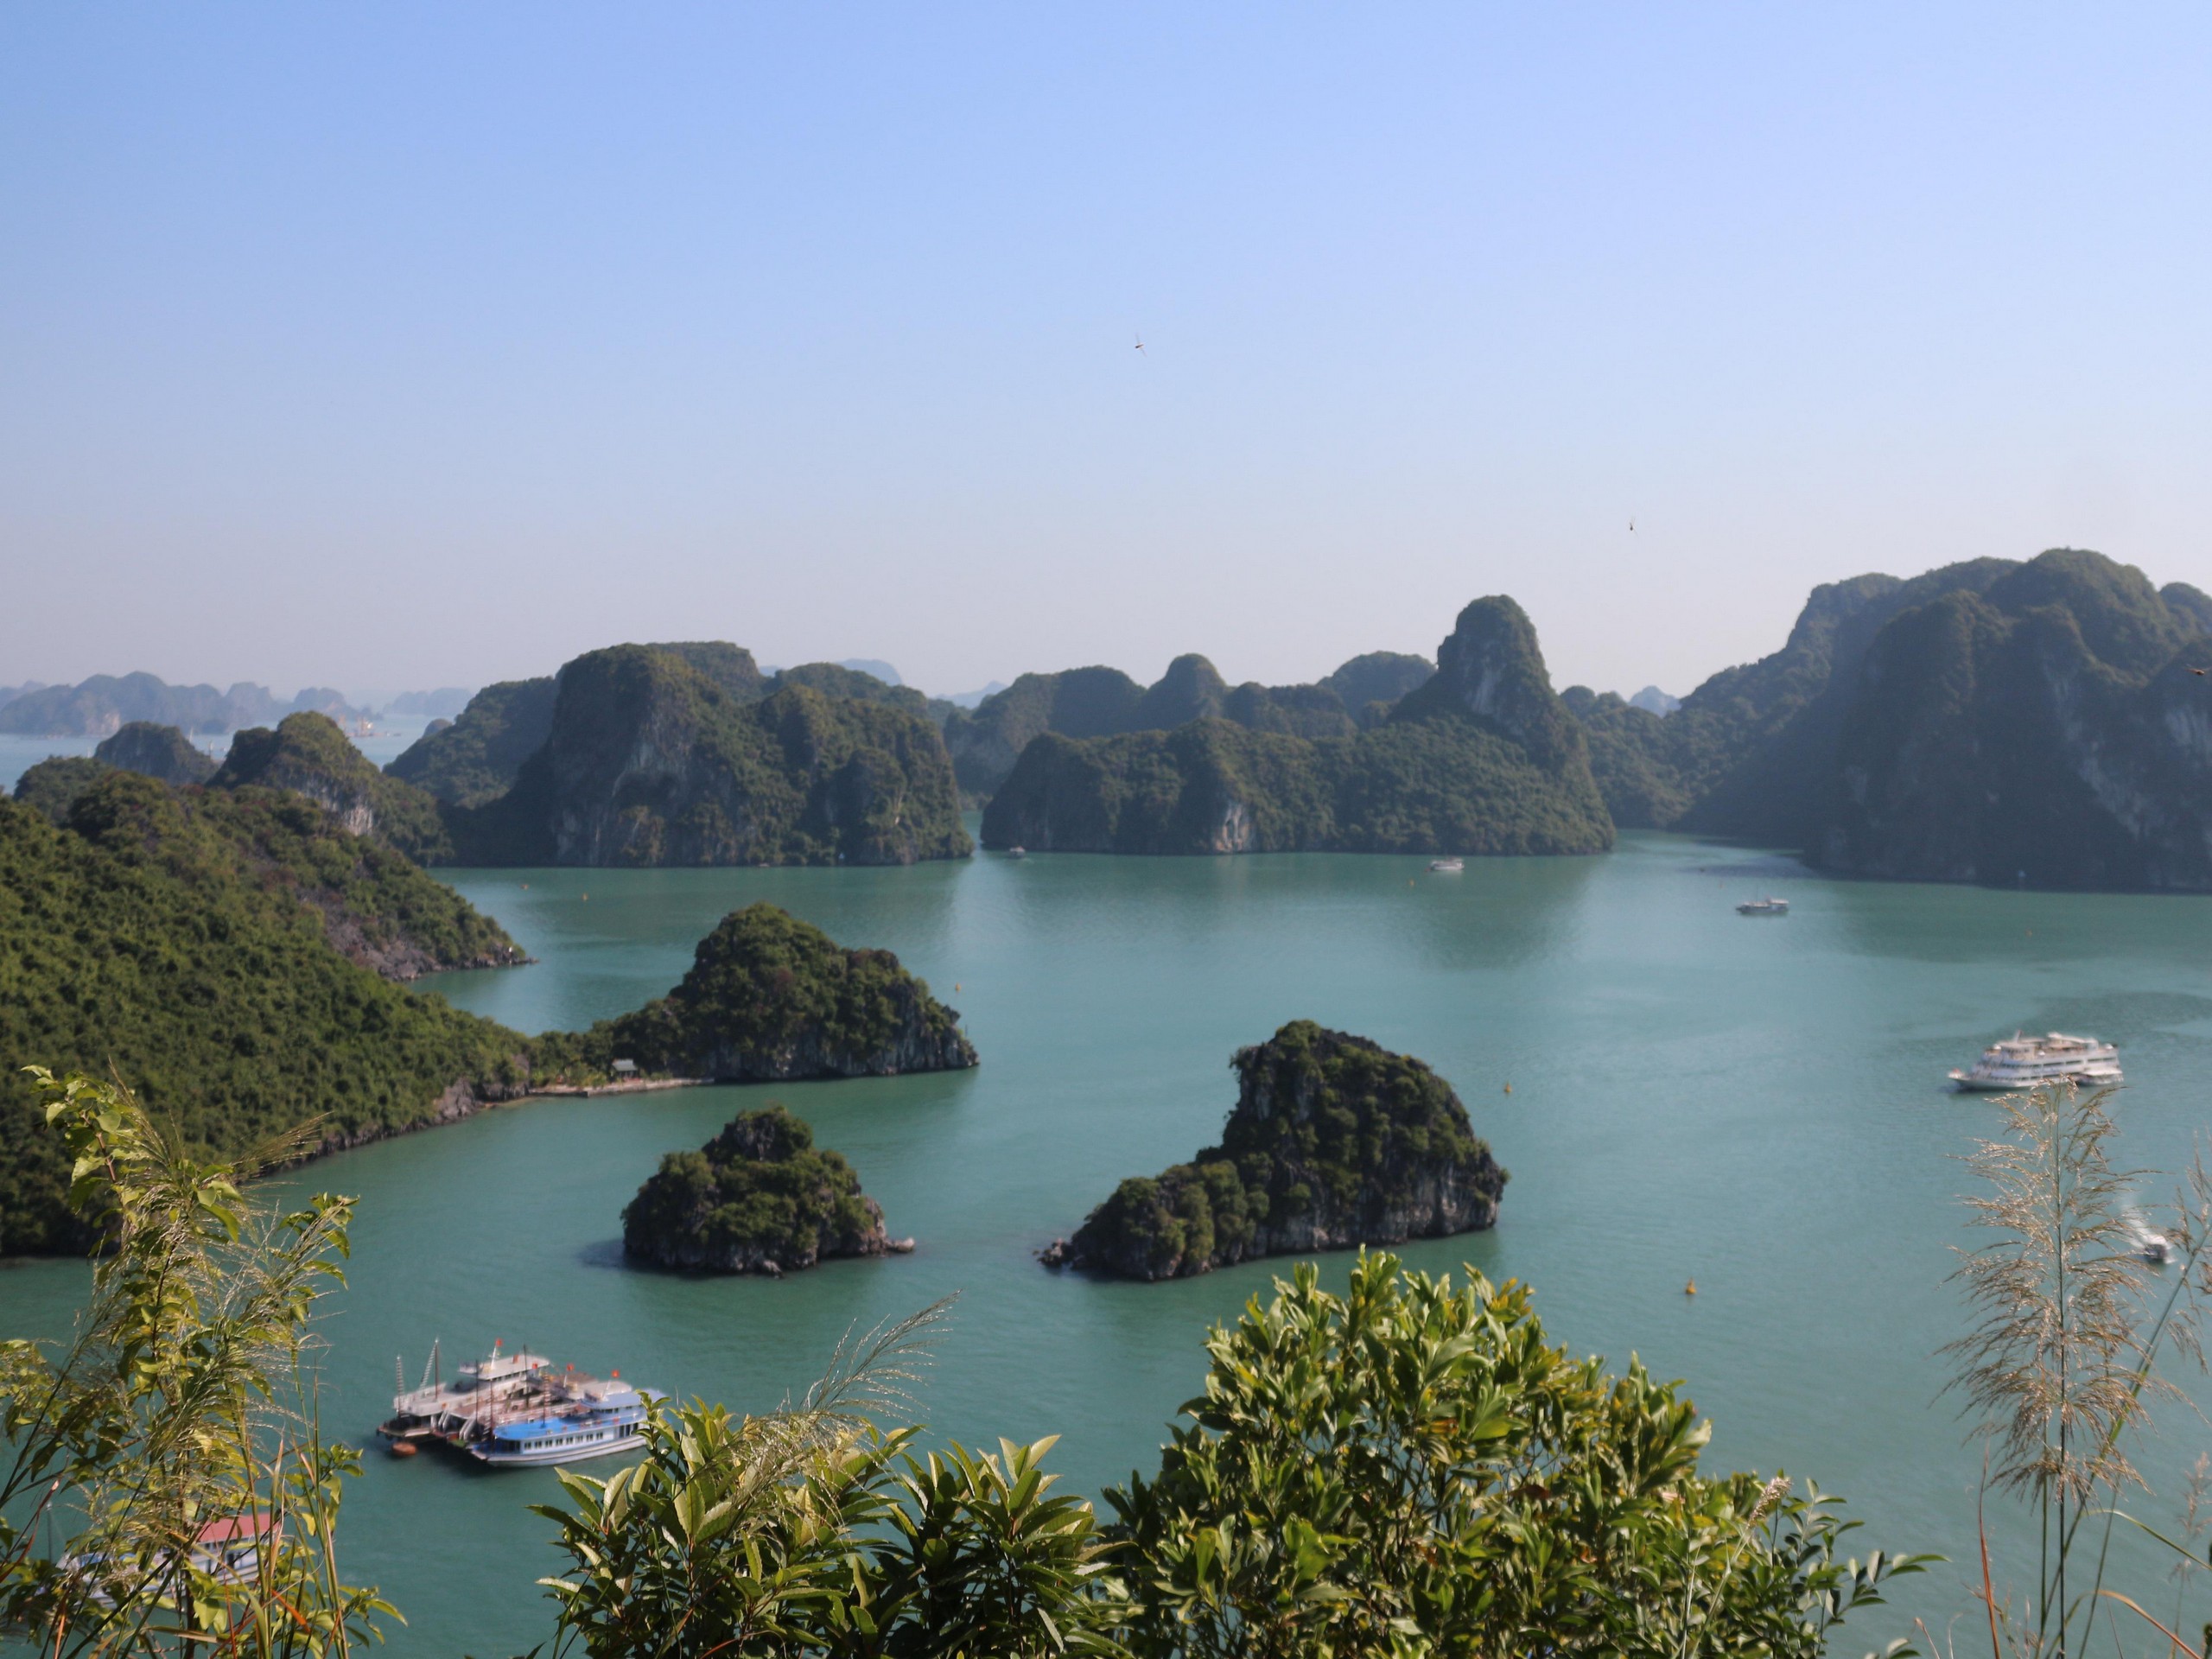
x: 2029, y: 1062
x: 1446, y: 866
x: 1764, y: 907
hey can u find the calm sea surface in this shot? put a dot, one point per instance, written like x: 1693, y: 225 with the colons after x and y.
x: 1755, y: 1104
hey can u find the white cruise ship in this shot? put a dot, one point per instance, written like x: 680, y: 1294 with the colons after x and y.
x: 2025, y: 1062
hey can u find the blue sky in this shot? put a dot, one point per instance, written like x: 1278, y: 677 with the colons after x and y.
x: 424, y: 345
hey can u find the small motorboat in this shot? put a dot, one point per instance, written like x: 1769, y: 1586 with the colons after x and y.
x: 2155, y: 1248
x: 1446, y: 866
x: 1017, y: 852
x: 1764, y: 907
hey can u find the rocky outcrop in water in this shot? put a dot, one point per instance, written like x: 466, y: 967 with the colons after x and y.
x: 1482, y: 759
x: 759, y: 1197
x: 1334, y: 1142
x: 770, y: 998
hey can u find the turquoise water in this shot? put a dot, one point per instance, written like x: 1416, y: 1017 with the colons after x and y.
x: 1757, y: 1104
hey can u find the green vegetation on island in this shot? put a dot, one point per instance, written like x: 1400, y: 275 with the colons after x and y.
x: 308, y: 754
x: 759, y: 1197
x: 232, y: 951
x: 770, y: 998
x: 189, y: 940
x: 1087, y: 702
x: 51, y: 788
x: 1481, y: 758
x: 651, y: 760
x: 477, y: 757
x: 1334, y: 1141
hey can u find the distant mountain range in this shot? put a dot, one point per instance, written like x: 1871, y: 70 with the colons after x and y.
x: 106, y: 702
x: 2046, y: 724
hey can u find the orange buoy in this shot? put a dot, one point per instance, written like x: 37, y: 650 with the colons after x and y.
x: 404, y: 1448
x: 1690, y: 1289
x: 1508, y: 1088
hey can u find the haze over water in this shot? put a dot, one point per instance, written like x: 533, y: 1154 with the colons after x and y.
x: 1756, y: 1104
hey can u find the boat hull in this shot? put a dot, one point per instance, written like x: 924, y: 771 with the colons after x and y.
x: 497, y: 1457
x: 1967, y: 1083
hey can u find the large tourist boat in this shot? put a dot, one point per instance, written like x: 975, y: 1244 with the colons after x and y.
x: 516, y: 1408
x: 2029, y: 1062
x: 1764, y: 907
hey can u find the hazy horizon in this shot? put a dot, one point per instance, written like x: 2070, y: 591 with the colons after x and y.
x: 416, y: 348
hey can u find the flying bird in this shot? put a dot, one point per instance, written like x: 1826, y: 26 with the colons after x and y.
x: 1139, y: 342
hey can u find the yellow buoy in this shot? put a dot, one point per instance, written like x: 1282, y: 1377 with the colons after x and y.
x: 1508, y: 1088
x: 1690, y: 1289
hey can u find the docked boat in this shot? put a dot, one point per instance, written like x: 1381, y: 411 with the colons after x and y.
x: 1446, y: 866
x: 1764, y: 907
x: 580, y: 1417
x: 2030, y: 1062
x: 516, y: 1408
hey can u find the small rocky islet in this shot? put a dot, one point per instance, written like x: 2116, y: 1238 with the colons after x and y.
x: 759, y: 1198
x: 772, y: 999
x: 1334, y: 1141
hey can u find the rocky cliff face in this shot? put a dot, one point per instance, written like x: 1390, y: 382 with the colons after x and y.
x: 759, y: 1197
x: 1481, y: 761
x: 1491, y: 667
x: 650, y: 761
x: 2052, y: 730
x: 1334, y: 1142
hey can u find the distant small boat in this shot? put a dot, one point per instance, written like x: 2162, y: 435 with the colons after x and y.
x: 1017, y: 852
x: 1446, y: 866
x: 1764, y: 907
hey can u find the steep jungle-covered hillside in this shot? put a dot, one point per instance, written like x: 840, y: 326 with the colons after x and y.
x: 183, y: 939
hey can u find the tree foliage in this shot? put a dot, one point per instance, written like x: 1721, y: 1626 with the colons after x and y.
x: 1411, y: 1469
x: 172, y: 1453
